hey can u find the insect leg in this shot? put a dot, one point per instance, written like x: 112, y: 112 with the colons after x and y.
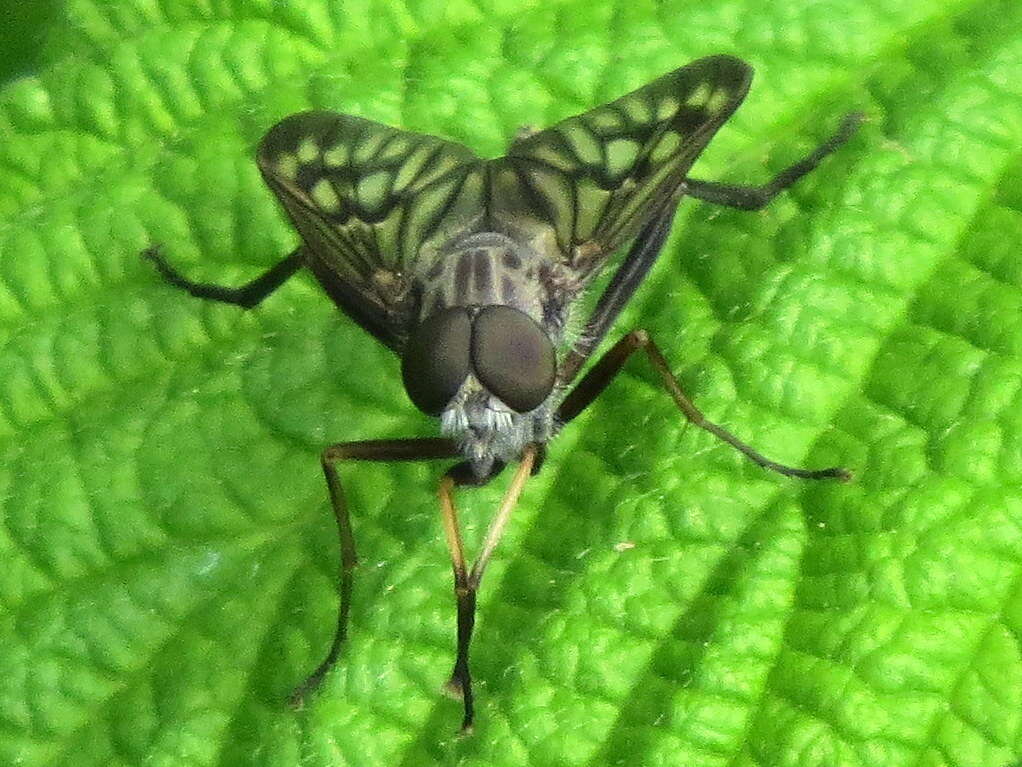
x: 755, y: 197
x: 610, y: 364
x: 247, y: 295
x: 425, y: 448
x: 460, y: 683
x: 466, y: 582
x: 641, y: 257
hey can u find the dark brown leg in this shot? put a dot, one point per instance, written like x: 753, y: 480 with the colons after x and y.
x: 426, y: 448
x: 246, y: 296
x: 610, y: 364
x: 460, y: 684
x: 466, y: 582
x: 756, y: 197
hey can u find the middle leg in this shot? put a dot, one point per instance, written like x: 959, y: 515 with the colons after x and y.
x: 610, y: 364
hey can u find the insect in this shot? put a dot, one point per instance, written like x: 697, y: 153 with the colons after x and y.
x: 470, y: 269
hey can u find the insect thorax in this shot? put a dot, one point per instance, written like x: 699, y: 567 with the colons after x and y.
x: 482, y: 269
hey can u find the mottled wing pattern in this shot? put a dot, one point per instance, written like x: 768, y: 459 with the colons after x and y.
x: 367, y: 199
x: 598, y: 177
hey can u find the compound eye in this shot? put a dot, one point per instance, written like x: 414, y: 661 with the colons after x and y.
x: 435, y: 361
x: 513, y: 357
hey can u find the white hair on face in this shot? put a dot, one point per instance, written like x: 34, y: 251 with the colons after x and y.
x: 497, y: 420
x: 453, y: 421
x: 487, y: 430
x: 485, y: 425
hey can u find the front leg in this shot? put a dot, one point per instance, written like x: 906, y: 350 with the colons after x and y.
x: 425, y: 448
x: 610, y: 364
x: 466, y: 581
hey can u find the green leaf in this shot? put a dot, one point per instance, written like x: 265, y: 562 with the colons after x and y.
x: 169, y: 553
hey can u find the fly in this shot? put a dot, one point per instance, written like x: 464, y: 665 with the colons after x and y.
x: 470, y: 269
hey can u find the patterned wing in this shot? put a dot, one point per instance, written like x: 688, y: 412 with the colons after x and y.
x: 597, y: 178
x: 368, y: 201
